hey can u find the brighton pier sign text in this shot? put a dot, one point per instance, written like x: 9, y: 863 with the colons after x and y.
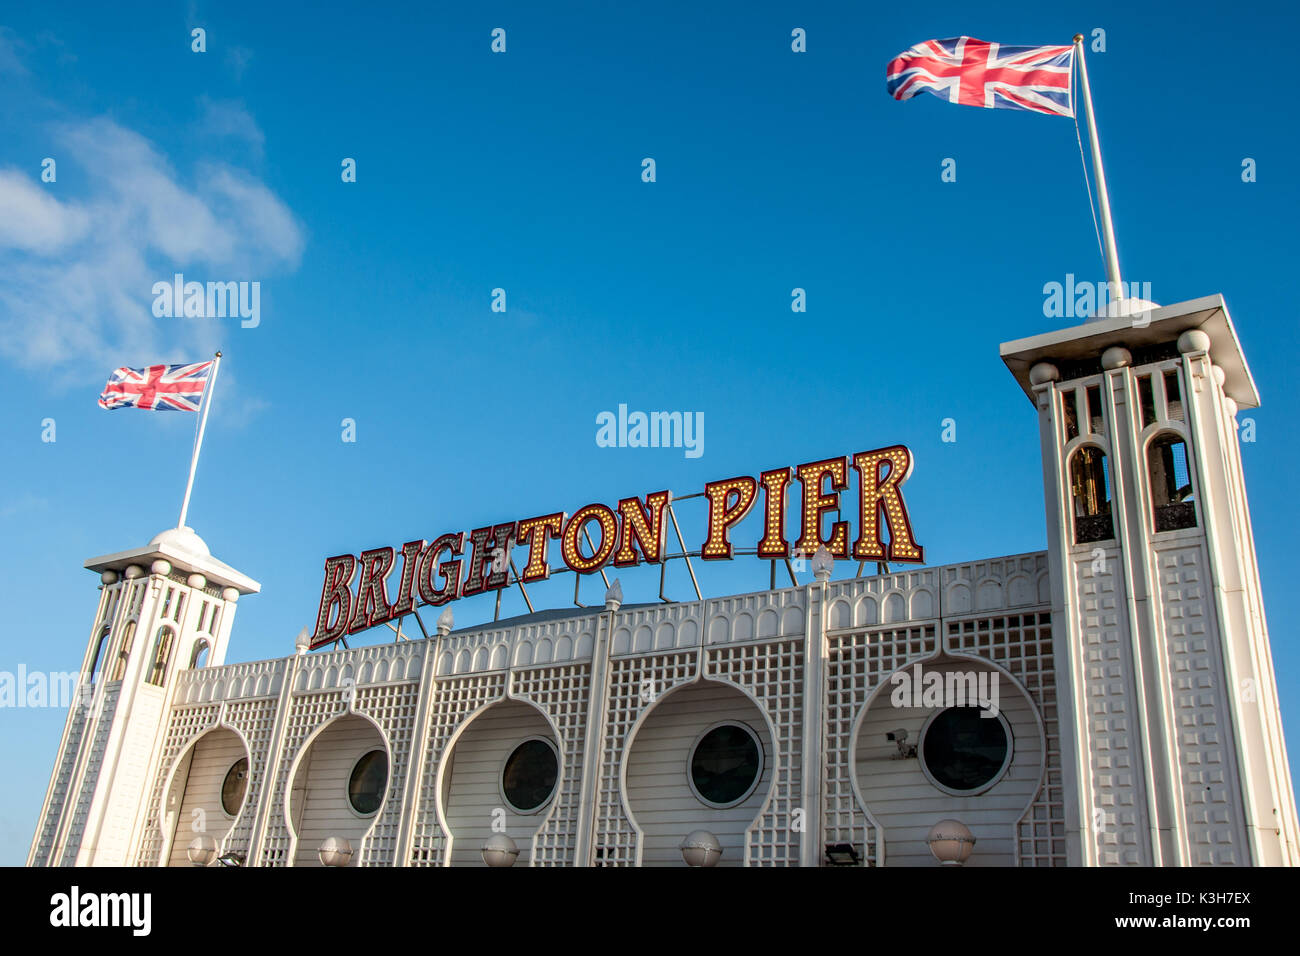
x: 355, y: 594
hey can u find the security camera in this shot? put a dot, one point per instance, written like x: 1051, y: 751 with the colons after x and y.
x: 899, y: 737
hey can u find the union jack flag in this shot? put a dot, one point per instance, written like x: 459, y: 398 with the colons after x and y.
x: 158, y: 387
x: 993, y: 75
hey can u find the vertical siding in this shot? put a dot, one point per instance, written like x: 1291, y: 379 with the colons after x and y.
x: 473, y: 782
x: 659, y: 795
x: 209, y: 761
x: 906, y: 804
x: 319, y: 800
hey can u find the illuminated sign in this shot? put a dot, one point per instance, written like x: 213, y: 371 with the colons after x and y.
x: 355, y: 595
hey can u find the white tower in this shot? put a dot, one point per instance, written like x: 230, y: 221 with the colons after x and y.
x: 163, y: 608
x: 1171, y: 733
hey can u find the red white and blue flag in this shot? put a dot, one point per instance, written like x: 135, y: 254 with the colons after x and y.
x: 158, y: 387
x: 993, y: 75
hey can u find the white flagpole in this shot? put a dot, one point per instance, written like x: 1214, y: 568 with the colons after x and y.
x: 198, y: 441
x: 1103, y: 196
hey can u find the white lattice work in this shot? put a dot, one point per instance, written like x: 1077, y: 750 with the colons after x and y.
x: 307, y: 712
x: 772, y: 671
x: 185, y: 725
x: 455, y: 700
x: 635, y: 683
x: 1203, y: 740
x: 103, y: 724
x: 1022, y: 644
x: 255, y: 722
x: 392, y: 707
x: 1109, y: 712
x: 857, y: 661
x: 563, y: 694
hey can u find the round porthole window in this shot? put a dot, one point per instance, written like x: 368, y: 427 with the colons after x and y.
x: 528, y: 778
x: 964, y: 753
x: 725, y: 765
x: 368, y: 781
x: 234, y: 787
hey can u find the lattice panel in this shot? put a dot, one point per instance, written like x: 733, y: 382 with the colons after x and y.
x: 90, y: 777
x: 393, y: 707
x: 1023, y: 645
x: 773, y: 672
x: 307, y: 712
x: 59, y: 795
x: 857, y: 662
x: 455, y: 700
x: 635, y: 683
x: 255, y: 720
x: 563, y: 693
x: 183, y: 726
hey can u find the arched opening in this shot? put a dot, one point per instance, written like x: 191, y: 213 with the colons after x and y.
x: 502, y: 776
x: 123, y: 652
x: 339, y: 788
x: 1090, y: 493
x: 701, y: 760
x: 199, y: 655
x: 207, y: 793
x: 924, y: 753
x: 99, y: 653
x: 162, y: 655
x: 1173, y: 501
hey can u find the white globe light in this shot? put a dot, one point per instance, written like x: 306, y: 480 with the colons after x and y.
x: 701, y: 848
x: 500, y: 850
x: 951, y: 842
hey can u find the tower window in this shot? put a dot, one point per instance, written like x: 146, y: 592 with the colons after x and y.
x: 123, y: 652
x: 1173, y: 503
x: 199, y: 656
x: 99, y: 653
x: 1147, y: 399
x: 1090, y: 490
x: 1070, y: 413
x: 1174, y: 396
x: 1096, y: 422
x: 161, y: 656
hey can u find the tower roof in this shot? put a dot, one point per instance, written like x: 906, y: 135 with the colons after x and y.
x: 186, y: 551
x: 1088, y: 341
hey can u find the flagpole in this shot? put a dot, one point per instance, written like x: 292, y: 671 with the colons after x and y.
x: 198, y: 442
x: 1103, y: 195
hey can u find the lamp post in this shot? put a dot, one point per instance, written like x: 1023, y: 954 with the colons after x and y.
x: 202, y: 850
x: 335, y: 851
x: 500, y: 850
x: 701, y: 848
x: 951, y: 842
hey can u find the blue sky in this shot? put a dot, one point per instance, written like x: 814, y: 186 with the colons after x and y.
x: 522, y: 171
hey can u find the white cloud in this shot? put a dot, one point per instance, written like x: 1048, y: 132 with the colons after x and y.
x: 76, y: 274
x: 10, y: 61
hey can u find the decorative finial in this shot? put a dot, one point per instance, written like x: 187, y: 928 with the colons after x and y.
x: 446, y: 621
x: 614, y: 596
x: 822, y: 563
x: 1078, y: 38
x: 303, y: 643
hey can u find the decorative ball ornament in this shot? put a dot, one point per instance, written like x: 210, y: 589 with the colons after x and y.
x: 500, y: 850
x: 302, y: 643
x: 446, y: 621
x: 230, y: 594
x: 1193, y: 340
x: 1220, y: 376
x: 822, y: 564
x: 197, y: 581
x: 133, y: 571
x: 701, y: 848
x: 1116, y: 357
x: 108, y: 577
x: 1230, y: 407
x: 1044, y: 372
x: 161, y: 566
x: 202, y: 850
x: 335, y: 851
x: 951, y: 842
